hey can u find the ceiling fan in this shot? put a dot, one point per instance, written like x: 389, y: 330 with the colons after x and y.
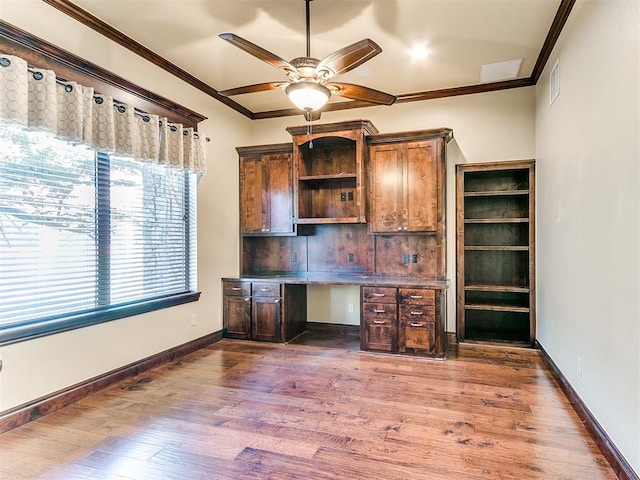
x: 309, y: 86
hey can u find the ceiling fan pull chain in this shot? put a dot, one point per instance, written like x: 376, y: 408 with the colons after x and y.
x: 309, y: 134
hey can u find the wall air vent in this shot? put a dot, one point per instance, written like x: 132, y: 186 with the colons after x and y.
x: 554, y: 82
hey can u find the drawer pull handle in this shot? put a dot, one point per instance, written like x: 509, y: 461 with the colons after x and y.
x: 415, y: 296
x: 375, y: 310
x: 414, y: 312
x: 379, y: 322
x: 265, y: 289
x: 379, y: 295
x: 236, y: 289
x: 414, y: 324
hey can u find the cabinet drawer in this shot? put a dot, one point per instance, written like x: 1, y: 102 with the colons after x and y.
x: 379, y: 334
x: 417, y: 296
x: 237, y: 287
x: 417, y: 313
x: 379, y: 294
x: 417, y: 337
x: 266, y: 289
x: 379, y: 311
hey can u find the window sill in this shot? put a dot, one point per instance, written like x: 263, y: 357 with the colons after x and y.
x: 40, y: 328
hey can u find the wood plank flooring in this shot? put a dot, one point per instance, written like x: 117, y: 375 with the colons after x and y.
x: 248, y: 410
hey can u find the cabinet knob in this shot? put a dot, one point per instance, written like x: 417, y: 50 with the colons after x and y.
x: 375, y: 310
x: 404, y: 228
x: 399, y: 228
x: 277, y: 301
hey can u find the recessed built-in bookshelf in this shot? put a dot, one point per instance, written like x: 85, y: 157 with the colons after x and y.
x: 495, y: 248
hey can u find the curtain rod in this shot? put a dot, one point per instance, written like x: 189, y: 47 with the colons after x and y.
x: 68, y: 88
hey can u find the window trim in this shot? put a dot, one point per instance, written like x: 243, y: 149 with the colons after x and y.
x: 30, y: 330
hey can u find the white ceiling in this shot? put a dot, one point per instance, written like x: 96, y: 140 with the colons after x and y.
x: 459, y: 35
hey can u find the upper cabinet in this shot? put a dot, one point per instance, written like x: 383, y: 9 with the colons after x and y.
x: 406, y: 181
x: 329, y: 165
x: 266, y: 197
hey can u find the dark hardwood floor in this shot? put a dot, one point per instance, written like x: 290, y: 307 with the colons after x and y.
x: 248, y: 410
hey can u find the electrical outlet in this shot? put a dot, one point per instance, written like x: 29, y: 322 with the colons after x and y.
x: 351, y: 257
x: 194, y: 319
x: 579, y: 367
x: 414, y: 258
x: 350, y: 308
x: 343, y: 197
x: 350, y: 196
x: 294, y: 257
x: 405, y: 258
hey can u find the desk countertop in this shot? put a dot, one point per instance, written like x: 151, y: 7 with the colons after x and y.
x: 344, y: 279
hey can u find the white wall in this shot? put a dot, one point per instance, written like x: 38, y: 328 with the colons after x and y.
x: 588, y: 242
x: 487, y: 127
x: 36, y: 368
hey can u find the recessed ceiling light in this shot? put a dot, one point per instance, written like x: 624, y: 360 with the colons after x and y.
x: 418, y: 52
x: 496, y: 72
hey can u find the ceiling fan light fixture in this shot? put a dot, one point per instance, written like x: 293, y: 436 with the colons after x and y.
x: 308, y: 96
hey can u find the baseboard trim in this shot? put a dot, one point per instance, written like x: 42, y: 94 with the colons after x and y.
x: 617, y: 461
x: 27, y: 412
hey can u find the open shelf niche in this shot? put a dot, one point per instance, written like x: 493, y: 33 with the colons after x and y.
x: 495, y: 207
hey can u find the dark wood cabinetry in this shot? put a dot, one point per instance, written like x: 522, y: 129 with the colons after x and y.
x: 343, y: 204
x: 264, y: 311
x: 266, y: 198
x: 402, y: 319
x: 417, y: 321
x: 329, y: 172
x: 379, y: 322
x: 495, y: 249
x: 405, y: 181
x: 237, y: 309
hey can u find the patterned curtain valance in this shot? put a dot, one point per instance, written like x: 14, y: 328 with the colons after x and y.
x: 38, y: 100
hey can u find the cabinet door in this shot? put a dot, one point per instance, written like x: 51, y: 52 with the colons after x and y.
x: 378, y: 328
x: 278, y: 193
x: 266, y: 193
x: 386, y: 188
x: 237, y: 316
x: 252, y: 219
x: 265, y: 319
x: 420, y: 196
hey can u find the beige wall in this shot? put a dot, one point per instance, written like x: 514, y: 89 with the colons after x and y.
x: 588, y: 240
x: 486, y: 127
x: 38, y: 367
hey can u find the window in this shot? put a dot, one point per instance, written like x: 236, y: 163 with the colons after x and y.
x: 88, y: 237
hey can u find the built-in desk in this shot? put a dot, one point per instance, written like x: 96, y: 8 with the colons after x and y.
x: 398, y: 314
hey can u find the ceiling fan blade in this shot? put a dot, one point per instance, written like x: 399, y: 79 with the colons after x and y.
x: 358, y: 92
x: 348, y: 58
x: 258, y: 87
x: 258, y: 52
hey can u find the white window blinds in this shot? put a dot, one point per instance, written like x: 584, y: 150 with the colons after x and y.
x: 82, y: 233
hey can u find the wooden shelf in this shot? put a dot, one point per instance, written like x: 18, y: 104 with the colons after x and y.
x: 321, y: 178
x: 496, y: 193
x: 496, y: 288
x: 497, y: 308
x: 511, y: 248
x: 326, y: 220
x: 497, y: 220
